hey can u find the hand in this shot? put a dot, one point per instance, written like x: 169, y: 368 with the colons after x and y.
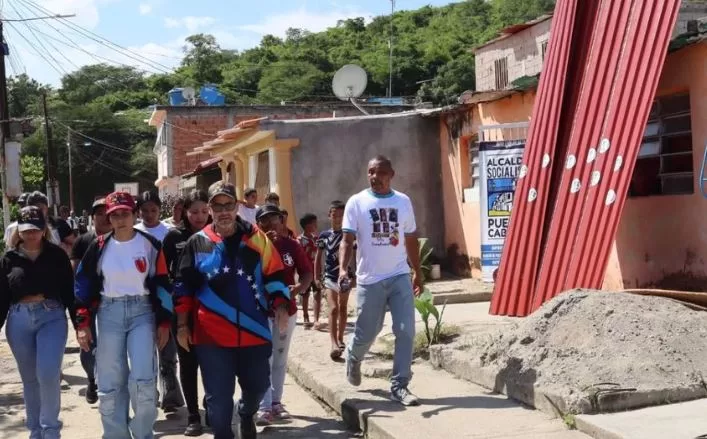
x: 272, y: 235
x: 295, y: 290
x: 184, y: 337
x: 162, y: 336
x: 319, y: 284
x: 418, y: 284
x: 84, y: 338
x: 282, y: 318
x: 343, y: 276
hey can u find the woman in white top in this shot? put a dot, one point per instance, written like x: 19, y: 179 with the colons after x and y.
x: 150, y: 204
x: 125, y: 273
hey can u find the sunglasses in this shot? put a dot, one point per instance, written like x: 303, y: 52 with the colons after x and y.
x: 218, y: 207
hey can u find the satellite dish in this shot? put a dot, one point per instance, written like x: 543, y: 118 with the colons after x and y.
x: 188, y: 93
x: 349, y: 82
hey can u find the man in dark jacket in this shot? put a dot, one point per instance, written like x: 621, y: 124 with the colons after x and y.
x: 230, y: 279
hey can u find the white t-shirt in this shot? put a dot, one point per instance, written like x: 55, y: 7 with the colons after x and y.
x: 247, y: 213
x: 159, y: 231
x: 124, y: 266
x: 380, y: 225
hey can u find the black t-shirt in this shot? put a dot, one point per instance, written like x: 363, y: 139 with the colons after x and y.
x: 81, y: 245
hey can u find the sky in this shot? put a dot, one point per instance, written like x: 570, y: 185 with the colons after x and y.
x: 154, y: 30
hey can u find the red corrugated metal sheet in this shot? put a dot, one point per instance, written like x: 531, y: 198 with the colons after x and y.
x: 516, y: 275
x: 562, y: 239
x: 649, y: 38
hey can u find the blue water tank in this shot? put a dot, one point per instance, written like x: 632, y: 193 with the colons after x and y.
x: 176, y: 97
x: 210, y: 95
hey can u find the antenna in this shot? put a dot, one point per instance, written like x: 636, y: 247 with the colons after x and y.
x: 349, y: 83
x: 189, y: 94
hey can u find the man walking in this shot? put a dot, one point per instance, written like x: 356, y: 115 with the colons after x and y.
x: 376, y: 218
x: 230, y: 279
x: 102, y: 226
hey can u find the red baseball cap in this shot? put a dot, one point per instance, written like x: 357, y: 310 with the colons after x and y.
x: 119, y: 201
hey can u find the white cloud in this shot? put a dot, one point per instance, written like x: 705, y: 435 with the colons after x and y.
x: 145, y: 8
x: 190, y: 23
x: 312, y: 21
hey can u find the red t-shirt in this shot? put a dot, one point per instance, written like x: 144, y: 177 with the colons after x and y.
x: 294, y: 259
x: 309, y: 244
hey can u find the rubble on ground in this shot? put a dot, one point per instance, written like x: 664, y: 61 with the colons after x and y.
x: 588, y: 347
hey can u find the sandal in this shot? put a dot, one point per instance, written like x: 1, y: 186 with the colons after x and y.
x: 335, y: 354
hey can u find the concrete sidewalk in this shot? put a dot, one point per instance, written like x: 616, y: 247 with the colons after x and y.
x: 451, y: 408
x: 82, y: 421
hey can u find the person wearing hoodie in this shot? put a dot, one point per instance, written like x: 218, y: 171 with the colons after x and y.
x: 195, y: 218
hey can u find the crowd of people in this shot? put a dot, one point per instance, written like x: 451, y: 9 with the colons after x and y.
x: 213, y: 288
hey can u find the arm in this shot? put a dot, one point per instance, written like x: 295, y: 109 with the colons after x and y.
x: 304, y: 272
x: 169, y: 247
x: 162, y: 287
x: 346, y: 253
x: 412, y: 246
x: 187, y: 282
x: 318, y: 264
x: 4, y: 293
x: 66, y: 285
x: 84, y: 286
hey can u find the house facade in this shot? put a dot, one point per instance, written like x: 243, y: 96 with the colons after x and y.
x: 180, y: 129
x: 661, y: 240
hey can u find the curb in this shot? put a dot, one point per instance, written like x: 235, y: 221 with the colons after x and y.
x: 456, y: 297
x: 342, y: 401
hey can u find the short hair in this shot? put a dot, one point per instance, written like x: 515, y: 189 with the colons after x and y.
x: 307, y: 219
x: 272, y: 196
x: 37, y: 197
x: 383, y: 160
x: 250, y: 191
x: 149, y: 197
x: 64, y: 209
x: 336, y: 204
x: 194, y: 196
x: 283, y: 212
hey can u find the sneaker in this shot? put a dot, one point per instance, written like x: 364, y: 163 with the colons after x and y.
x: 194, y: 429
x: 265, y: 417
x: 92, y: 393
x: 279, y: 411
x: 404, y: 397
x: 353, y: 372
x: 247, y: 428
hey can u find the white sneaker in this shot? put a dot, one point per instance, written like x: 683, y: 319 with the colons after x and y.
x: 404, y: 396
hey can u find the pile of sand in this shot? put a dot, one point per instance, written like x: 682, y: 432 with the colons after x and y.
x: 580, y: 341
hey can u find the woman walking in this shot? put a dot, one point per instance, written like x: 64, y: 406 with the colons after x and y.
x: 124, y: 274
x: 36, y: 289
x: 196, y: 218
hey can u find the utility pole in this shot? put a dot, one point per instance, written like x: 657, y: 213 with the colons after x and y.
x: 390, y: 44
x: 4, y: 131
x: 71, y: 176
x: 52, y: 193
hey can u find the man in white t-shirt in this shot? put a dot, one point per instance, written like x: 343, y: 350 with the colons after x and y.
x: 247, y: 207
x: 382, y: 222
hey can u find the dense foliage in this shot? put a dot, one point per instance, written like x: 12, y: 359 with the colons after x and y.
x: 433, y: 62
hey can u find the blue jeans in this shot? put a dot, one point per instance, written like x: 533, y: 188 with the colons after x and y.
x: 126, y: 333
x: 397, y: 293
x: 278, y: 362
x: 219, y: 368
x: 36, y: 333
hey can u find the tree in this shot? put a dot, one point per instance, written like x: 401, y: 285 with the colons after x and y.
x: 32, y: 169
x: 290, y: 81
x: 23, y: 95
x: 203, y: 58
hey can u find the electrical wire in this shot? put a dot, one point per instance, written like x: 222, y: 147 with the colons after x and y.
x: 93, y: 139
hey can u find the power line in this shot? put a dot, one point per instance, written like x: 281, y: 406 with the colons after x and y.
x: 16, y: 20
x: 93, y: 139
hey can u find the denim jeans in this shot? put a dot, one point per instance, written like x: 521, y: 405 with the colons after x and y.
x: 278, y: 362
x: 88, y: 359
x: 219, y: 368
x: 126, y: 335
x: 36, y: 333
x: 397, y: 294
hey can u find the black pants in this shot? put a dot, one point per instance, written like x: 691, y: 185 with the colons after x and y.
x: 220, y: 366
x: 188, y: 376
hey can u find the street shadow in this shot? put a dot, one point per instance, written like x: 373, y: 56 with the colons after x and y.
x: 355, y: 410
x: 464, y: 402
x: 12, y: 414
x: 319, y: 428
x: 516, y: 383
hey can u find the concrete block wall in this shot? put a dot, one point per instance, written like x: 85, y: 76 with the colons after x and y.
x: 523, y: 51
x: 689, y: 11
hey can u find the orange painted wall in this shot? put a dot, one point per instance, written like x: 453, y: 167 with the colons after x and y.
x: 664, y: 235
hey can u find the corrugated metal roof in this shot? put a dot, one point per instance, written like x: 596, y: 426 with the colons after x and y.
x: 514, y: 29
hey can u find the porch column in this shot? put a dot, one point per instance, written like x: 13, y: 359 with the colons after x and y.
x: 281, y: 177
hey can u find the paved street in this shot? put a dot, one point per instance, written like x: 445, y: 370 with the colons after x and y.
x: 81, y: 421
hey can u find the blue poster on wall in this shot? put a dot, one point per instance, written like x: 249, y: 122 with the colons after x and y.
x: 500, y: 164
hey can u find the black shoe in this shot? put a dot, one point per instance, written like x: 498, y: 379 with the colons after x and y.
x: 92, y: 393
x: 248, y: 430
x: 194, y: 429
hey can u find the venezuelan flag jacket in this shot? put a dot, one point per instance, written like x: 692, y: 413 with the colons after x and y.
x: 229, y: 286
x: 88, y: 281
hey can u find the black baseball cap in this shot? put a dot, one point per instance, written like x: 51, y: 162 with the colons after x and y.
x: 99, y: 202
x: 265, y: 210
x: 222, y: 188
x: 31, y: 218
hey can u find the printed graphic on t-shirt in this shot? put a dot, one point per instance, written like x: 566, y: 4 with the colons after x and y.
x: 385, y: 226
x: 140, y: 263
x: 288, y: 260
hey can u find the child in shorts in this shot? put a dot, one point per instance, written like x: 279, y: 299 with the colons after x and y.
x: 308, y: 241
x: 328, y: 250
